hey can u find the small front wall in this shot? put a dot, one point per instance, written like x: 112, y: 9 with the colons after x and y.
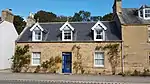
x: 136, y: 47
x: 87, y: 51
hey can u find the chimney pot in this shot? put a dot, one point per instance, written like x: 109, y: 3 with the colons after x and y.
x: 7, y: 15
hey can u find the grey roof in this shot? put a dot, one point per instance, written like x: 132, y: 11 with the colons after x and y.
x: 82, y: 32
x: 144, y: 6
x: 130, y: 16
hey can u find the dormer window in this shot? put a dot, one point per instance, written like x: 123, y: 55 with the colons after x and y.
x: 144, y: 12
x: 99, y: 31
x: 67, y: 32
x: 36, y: 32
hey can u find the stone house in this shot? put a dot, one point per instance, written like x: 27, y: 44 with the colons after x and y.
x: 58, y: 39
x: 8, y: 35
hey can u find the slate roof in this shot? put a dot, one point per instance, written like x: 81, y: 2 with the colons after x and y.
x: 130, y: 16
x: 82, y: 32
x: 144, y: 6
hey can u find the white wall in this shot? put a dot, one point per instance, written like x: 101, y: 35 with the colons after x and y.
x: 8, y: 37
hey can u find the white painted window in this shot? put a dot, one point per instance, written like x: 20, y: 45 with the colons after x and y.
x: 99, y: 34
x: 144, y: 13
x: 67, y: 32
x: 37, y: 34
x: 36, y: 58
x: 99, y: 59
x: 147, y: 13
x: 67, y: 35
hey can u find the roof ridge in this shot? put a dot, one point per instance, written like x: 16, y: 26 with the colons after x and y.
x: 71, y: 22
x: 129, y: 8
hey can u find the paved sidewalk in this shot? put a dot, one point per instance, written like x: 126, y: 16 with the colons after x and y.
x: 74, y: 78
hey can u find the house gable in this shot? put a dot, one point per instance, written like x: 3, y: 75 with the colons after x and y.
x: 37, y: 34
x: 66, y: 25
x: 36, y: 25
x: 99, y: 31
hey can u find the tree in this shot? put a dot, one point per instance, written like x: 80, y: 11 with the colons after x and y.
x: 43, y: 16
x: 76, y: 17
x: 21, y: 59
x: 19, y: 23
x: 63, y: 18
x: 108, y: 17
x: 81, y: 16
x: 96, y: 18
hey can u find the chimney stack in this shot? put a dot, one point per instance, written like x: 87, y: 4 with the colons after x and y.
x: 7, y: 15
x: 30, y: 20
x: 117, y: 7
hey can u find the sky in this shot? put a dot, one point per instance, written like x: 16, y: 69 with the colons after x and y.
x: 66, y: 7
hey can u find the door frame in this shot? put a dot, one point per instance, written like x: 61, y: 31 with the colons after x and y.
x: 63, y: 66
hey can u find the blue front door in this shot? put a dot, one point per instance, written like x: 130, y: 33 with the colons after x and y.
x: 66, y: 62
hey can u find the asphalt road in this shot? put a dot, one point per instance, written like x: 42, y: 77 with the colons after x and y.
x: 22, y: 78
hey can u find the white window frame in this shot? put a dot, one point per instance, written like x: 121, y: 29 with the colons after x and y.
x: 99, y: 59
x: 144, y: 13
x: 147, y: 13
x: 34, y: 58
x: 63, y: 36
x: 95, y: 35
x: 63, y: 31
x: 34, y: 35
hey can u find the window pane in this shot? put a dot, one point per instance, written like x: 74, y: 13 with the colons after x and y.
x: 99, y: 58
x: 36, y: 58
x: 99, y: 34
x: 67, y: 34
x: 98, y: 31
x: 36, y: 61
x: 99, y: 55
x: 37, y: 32
x: 146, y: 11
x: 99, y: 62
x: 37, y: 35
x: 99, y: 37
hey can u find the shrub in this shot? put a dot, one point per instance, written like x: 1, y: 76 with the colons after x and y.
x: 58, y: 59
x: 21, y: 59
x: 51, y: 64
x: 146, y: 72
x: 37, y: 70
x: 136, y: 73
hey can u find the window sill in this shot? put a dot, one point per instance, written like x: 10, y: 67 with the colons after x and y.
x: 36, y: 40
x: 99, y: 40
x: 66, y: 40
x: 99, y: 66
x: 35, y: 64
